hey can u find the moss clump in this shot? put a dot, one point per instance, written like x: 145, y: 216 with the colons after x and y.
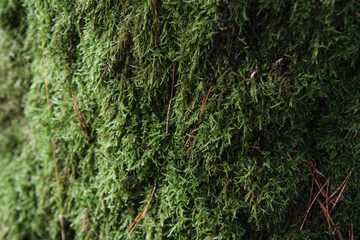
x: 234, y: 180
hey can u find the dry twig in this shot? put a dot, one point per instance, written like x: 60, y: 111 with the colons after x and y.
x: 62, y: 227
x: 78, y: 114
x: 328, y: 199
x: 157, y: 23
x: 171, y: 96
x: 308, y: 210
x: 142, y: 213
x: 202, y: 110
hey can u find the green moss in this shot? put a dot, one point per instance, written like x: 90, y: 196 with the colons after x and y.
x: 304, y: 99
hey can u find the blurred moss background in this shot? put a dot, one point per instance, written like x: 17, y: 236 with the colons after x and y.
x: 234, y: 179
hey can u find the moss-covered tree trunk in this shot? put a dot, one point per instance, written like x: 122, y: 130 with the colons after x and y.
x: 216, y: 102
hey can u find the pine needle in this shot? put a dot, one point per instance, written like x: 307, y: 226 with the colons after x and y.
x: 327, y: 217
x: 46, y: 83
x: 171, y: 96
x: 78, y: 114
x: 157, y: 23
x: 337, y: 199
x: 62, y: 227
x: 67, y: 174
x: 142, y: 213
x: 308, y: 210
x: 55, y: 164
x: 202, y: 110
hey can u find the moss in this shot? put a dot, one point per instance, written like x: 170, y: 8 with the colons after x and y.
x: 234, y: 179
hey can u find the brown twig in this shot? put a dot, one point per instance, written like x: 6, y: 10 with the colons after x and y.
x: 171, y: 96
x: 338, y: 233
x: 328, y: 199
x: 84, y: 223
x: 189, y: 138
x: 327, y: 217
x: 289, y: 156
x: 308, y: 210
x: 136, y: 219
x: 142, y: 213
x: 46, y: 83
x: 314, y: 174
x: 157, y: 22
x: 334, y: 193
x: 204, y: 103
x: 78, y: 114
x: 67, y: 173
x: 202, y: 110
x: 67, y: 178
x: 55, y: 164
x: 255, y: 147
x: 327, y: 206
x: 62, y: 227
x: 341, y: 191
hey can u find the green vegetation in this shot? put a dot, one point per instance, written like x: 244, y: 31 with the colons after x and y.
x: 234, y: 179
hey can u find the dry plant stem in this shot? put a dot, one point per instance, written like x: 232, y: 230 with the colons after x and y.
x: 337, y: 199
x: 171, y: 96
x: 311, y: 163
x: 204, y: 103
x: 167, y: 118
x: 46, y: 83
x: 67, y: 178
x: 44, y: 66
x: 328, y: 218
x: 345, y: 180
x: 78, y: 114
x: 202, y: 110
x: 327, y: 205
x: 289, y: 156
x: 338, y: 233
x: 328, y: 199
x: 189, y: 138
x: 62, y: 227
x: 136, y: 219
x: 352, y: 232
x: 308, y: 210
x: 255, y: 147
x: 157, y: 22
x: 142, y: 214
x: 312, y: 183
x: 55, y: 164
x: 67, y: 173
x: 315, y: 174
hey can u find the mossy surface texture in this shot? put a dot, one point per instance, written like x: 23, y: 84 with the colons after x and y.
x: 85, y: 91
